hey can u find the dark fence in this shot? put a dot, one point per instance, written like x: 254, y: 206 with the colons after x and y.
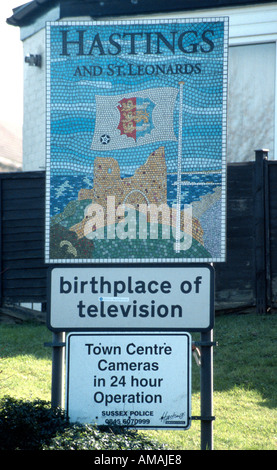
x: 23, y: 272
x: 248, y: 278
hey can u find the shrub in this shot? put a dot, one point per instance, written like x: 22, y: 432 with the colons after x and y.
x: 26, y: 425
x: 91, y: 437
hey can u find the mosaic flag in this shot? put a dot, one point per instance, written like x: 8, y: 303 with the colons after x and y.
x: 136, y: 141
x: 134, y: 119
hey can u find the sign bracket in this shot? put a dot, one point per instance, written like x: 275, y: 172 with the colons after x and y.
x: 204, y: 344
x: 55, y: 344
x: 203, y: 418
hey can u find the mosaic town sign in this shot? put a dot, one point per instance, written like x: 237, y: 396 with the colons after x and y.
x: 135, y: 184
x: 136, y: 141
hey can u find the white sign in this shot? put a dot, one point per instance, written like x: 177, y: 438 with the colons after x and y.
x: 138, y: 380
x: 118, y: 298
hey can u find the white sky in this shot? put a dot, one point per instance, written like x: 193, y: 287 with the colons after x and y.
x: 11, y: 68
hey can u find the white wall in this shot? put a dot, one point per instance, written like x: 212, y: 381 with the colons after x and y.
x: 251, y: 105
x: 256, y: 67
x: 34, y: 131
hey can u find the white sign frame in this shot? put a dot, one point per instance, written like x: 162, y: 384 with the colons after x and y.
x: 147, y: 398
x: 164, y: 298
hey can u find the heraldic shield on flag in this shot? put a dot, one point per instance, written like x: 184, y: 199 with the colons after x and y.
x: 134, y: 119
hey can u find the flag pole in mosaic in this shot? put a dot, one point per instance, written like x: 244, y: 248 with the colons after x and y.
x: 179, y: 171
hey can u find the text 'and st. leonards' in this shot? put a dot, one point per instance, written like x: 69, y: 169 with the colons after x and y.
x: 133, y: 298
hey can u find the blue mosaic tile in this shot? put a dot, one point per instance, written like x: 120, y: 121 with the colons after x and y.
x: 136, y: 111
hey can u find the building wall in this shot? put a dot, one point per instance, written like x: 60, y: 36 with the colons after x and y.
x: 252, y: 90
x: 34, y: 127
x: 251, y: 106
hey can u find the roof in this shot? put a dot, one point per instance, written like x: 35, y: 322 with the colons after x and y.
x: 29, y: 12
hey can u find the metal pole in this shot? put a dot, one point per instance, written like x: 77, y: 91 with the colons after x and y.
x: 261, y: 242
x: 207, y: 390
x: 58, y: 358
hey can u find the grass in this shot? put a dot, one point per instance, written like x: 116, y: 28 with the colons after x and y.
x: 245, y: 380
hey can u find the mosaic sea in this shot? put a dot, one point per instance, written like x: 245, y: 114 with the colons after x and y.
x: 65, y: 188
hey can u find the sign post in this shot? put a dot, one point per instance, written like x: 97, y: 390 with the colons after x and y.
x: 58, y: 369
x: 207, y: 390
x: 135, y: 213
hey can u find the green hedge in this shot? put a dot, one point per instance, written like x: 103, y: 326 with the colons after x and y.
x: 34, y: 425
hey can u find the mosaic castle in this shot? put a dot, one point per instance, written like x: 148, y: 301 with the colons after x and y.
x: 147, y: 186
